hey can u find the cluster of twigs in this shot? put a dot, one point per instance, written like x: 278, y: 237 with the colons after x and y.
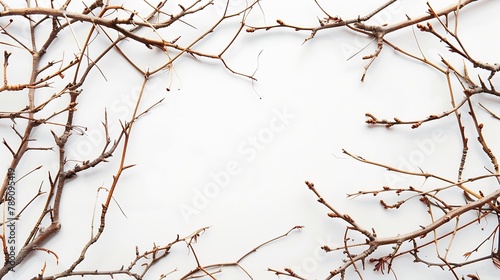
x: 153, y: 28
x: 445, y: 215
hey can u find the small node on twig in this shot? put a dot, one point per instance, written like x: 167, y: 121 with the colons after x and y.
x: 425, y: 200
x: 290, y: 272
x: 333, y: 215
x: 347, y: 218
x: 372, y: 119
x: 309, y: 184
x: 394, y: 206
x: 280, y: 22
x: 416, y: 125
x: 425, y: 28
x: 250, y: 30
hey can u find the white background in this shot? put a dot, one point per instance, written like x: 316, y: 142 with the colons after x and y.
x: 312, y: 106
